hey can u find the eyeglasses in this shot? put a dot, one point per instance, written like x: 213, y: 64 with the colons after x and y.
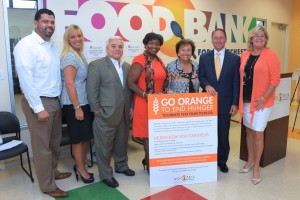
x: 259, y: 36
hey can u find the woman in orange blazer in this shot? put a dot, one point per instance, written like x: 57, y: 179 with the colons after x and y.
x: 259, y: 77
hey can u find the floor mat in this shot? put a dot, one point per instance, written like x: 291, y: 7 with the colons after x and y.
x: 98, y: 191
x: 177, y: 192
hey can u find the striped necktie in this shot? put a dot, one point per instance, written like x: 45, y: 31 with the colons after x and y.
x: 218, y: 65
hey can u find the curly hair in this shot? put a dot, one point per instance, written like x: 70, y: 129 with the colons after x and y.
x: 153, y: 36
x: 185, y: 42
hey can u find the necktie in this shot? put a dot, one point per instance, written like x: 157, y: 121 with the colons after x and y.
x: 218, y: 65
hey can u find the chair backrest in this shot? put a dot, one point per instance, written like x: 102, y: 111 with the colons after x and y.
x: 9, y: 123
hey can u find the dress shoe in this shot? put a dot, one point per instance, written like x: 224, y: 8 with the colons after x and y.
x: 58, y: 193
x: 246, y: 170
x: 127, y: 172
x: 112, y: 182
x: 223, y: 168
x: 63, y: 175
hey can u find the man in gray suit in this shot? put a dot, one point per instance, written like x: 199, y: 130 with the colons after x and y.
x: 109, y: 99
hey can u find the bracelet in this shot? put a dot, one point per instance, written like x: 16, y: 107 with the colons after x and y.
x: 77, y: 107
x: 144, y: 94
x: 265, y: 100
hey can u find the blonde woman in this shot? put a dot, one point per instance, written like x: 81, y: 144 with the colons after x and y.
x: 74, y: 100
x: 259, y: 77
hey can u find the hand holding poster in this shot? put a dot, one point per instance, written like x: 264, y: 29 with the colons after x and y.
x: 182, y: 138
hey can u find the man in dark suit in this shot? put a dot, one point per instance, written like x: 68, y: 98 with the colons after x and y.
x: 109, y: 99
x: 219, y: 73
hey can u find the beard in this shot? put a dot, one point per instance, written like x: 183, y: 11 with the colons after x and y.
x: 48, y: 32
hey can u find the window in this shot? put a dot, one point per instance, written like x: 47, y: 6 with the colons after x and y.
x: 20, y: 24
x: 261, y: 22
x: 32, y: 4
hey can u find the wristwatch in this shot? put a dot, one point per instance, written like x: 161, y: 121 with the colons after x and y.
x: 77, y: 107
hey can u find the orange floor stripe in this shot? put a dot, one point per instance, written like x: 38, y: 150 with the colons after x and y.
x: 177, y: 192
x: 295, y: 134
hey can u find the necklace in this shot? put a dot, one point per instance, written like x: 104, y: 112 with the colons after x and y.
x: 250, y: 70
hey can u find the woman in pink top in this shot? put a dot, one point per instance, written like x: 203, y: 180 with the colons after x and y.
x: 259, y: 77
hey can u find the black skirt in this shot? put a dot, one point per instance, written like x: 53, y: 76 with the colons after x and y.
x: 78, y: 130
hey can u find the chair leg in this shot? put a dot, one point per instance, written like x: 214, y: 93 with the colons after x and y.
x: 71, y: 151
x: 29, y: 165
x: 91, y: 155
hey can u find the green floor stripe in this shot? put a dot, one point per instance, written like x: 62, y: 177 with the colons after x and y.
x: 98, y: 191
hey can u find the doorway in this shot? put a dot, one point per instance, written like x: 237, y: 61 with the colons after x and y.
x: 278, y: 38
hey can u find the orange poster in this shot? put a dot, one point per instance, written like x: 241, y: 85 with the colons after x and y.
x: 166, y: 106
x: 182, y: 138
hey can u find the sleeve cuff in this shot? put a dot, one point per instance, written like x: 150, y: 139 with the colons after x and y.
x: 38, y: 108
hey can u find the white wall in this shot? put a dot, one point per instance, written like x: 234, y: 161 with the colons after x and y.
x: 274, y: 10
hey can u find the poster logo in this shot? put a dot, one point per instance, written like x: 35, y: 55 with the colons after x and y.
x: 184, y: 178
x: 155, y: 106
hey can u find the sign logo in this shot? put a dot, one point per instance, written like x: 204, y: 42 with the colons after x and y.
x: 282, y: 97
x: 184, y: 178
x: 100, y: 20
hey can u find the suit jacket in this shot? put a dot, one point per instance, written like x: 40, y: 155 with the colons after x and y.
x: 105, y: 90
x: 228, y: 84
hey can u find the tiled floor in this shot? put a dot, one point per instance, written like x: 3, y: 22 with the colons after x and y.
x: 280, y: 180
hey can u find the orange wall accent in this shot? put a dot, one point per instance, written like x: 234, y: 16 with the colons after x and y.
x: 294, y: 57
x: 294, y: 52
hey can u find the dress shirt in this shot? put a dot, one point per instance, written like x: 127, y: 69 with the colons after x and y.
x: 222, y: 54
x: 38, y: 68
x: 118, y: 68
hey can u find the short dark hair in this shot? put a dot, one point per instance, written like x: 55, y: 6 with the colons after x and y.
x: 38, y: 13
x: 219, y: 29
x: 184, y: 42
x: 153, y: 36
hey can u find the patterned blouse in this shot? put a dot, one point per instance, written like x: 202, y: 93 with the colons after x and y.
x: 180, y: 82
x: 80, y: 79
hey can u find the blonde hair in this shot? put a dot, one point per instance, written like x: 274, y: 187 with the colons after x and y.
x: 253, y: 32
x: 66, y: 46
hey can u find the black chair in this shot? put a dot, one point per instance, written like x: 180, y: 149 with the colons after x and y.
x: 9, y: 124
x: 65, y: 140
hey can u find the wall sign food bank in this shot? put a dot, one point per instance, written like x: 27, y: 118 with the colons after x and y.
x: 173, y: 19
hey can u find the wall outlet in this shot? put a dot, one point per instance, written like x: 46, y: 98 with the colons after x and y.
x: 1, y: 74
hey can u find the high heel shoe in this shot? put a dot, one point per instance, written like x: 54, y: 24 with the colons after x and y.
x: 243, y: 170
x: 256, y: 181
x: 75, y: 170
x: 145, y: 165
x: 85, y: 180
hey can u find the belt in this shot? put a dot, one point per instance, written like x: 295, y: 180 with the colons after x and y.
x: 43, y: 97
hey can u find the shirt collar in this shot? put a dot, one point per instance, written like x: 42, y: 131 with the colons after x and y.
x: 40, y: 39
x: 116, y: 62
x: 222, y: 52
